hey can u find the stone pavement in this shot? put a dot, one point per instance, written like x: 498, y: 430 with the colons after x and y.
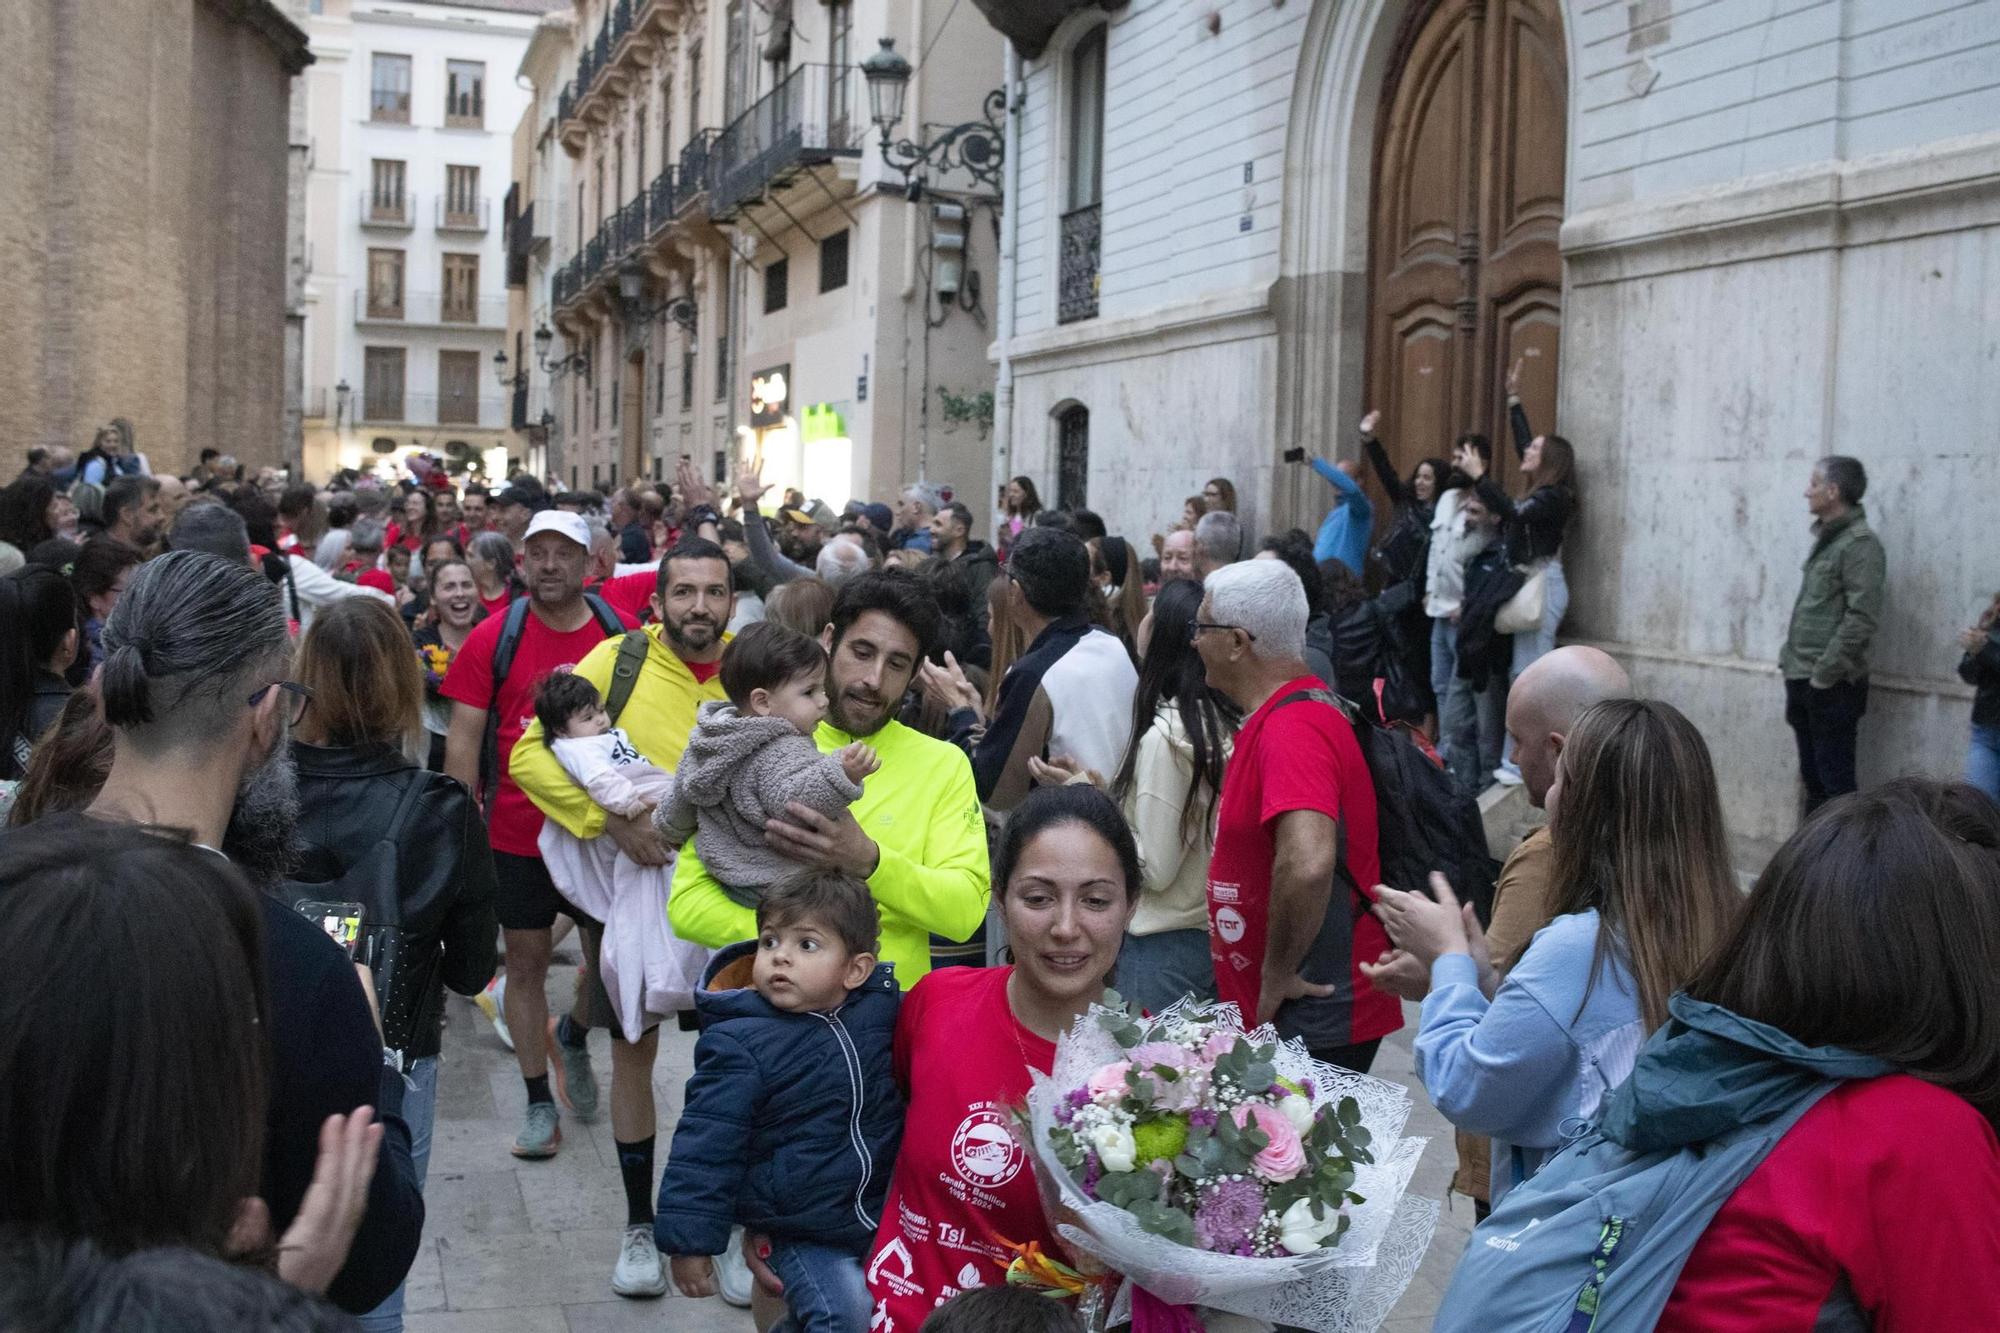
x: 528, y: 1247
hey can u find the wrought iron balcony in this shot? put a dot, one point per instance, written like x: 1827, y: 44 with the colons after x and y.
x: 430, y: 308
x: 593, y: 255
x: 692, y: 180
x: 463, y: 214
x: 567, y: 282
x: 660, y: 200
x: 388, y: 211
x: 566, y: 102
x: 1076, y: 292
x: 817, y: 113
x: 632, y: 224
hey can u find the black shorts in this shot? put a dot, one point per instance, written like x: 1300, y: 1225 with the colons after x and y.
x: 524, y: 897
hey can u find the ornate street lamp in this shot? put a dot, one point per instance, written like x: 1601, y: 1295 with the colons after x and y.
x: 341, y: 394
x: 576, y: 361
x: 978, y: 147
x: 632, y: 294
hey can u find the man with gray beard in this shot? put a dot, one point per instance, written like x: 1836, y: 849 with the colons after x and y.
x: 194, y: 689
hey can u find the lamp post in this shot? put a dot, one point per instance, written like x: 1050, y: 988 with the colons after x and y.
x: 977, y: 147
x: 632, y: 295
x: 575, y: 361
x: 341, y: 394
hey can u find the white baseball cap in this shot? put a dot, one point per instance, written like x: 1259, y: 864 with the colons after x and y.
x: 563, y: 524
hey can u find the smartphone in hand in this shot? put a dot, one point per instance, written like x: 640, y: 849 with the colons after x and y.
x: 1295, y: 455
x: 341, y: 921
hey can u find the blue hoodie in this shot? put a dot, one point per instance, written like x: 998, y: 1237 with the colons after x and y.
x: 1344, y: 532
x: 1530, y: 1067
x: 791, y: 1120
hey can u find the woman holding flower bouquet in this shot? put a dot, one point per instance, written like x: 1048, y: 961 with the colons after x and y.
x: 442, y: 631
x: 1644, y: 893
x: 968, y: 1041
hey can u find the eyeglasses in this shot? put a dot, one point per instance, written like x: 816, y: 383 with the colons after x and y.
x: 298, y: 699
x: 1195, y: 627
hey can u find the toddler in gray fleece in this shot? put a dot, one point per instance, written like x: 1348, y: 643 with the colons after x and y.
x: 751, y: 757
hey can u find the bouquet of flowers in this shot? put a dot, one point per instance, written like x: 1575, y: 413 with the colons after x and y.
x: 1214, y: 1167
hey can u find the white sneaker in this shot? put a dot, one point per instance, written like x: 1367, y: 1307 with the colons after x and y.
x: 493, y: 1003
x: 1507, y: 775
x: 732, y: 1274
x: 639, y: 1271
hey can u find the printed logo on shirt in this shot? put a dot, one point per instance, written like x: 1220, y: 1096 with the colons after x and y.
x: 893, y: 1268
x: 1238, y: 961
x: 984, y: 1151
x: 967, y: 1280
x: 1226, y: 893
x: 1229, y: 924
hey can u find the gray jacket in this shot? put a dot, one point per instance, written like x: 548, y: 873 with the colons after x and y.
x: 736, y: 773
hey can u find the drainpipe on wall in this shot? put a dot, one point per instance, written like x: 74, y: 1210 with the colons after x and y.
x: 1010, y: 237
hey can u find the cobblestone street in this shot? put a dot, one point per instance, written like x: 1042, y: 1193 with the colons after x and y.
x: 527, y: 1247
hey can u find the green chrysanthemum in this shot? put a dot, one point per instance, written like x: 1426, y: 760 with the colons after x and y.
x: 1160, y: 1138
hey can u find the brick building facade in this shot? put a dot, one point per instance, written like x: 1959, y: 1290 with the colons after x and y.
x: 143, y: 224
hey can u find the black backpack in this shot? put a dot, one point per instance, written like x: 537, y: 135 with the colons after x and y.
x: 1422, y: 824
x: 503, y: 662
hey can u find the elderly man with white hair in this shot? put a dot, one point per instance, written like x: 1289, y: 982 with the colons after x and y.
x: 841, y: 561
x: 1295, y: 841
x: 1218, y: 541
x: 915, y: 508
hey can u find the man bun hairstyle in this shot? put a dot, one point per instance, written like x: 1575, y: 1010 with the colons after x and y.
x: 763, y: 657
x: 1052, y: 569
x: 839, y: 904
x: 560, y: 697
x: 188, y: 632
x: 1846, y: 475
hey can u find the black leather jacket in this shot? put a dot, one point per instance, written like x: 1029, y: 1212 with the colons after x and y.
x: 444, y: 880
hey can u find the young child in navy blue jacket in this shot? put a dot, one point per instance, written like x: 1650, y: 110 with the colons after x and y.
x: 792, y: 1115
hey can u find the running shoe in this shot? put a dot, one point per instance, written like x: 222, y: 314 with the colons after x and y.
x: 493, y: 1003
x: 639, y: 1271
x: 570, y: 1074
x: 732, y: 1272
x: 541, y: 1131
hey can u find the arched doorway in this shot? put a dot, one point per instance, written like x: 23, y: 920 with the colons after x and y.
x: 1464, y: 269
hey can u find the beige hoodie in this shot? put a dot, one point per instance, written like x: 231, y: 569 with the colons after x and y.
x: 1176, y: 866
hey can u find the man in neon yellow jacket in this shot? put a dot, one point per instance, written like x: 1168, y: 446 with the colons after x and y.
x: 916, y: 836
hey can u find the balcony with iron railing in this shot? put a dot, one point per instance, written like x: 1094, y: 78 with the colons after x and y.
x: 693, y: 175
x: 463, y: 214
x: 660, y: 201
x: 430, y: 309
x: 388, y: 212
x: 815, y: 114
x: 1076, y: 293
x: 390, y: 408
x: 567, y: 284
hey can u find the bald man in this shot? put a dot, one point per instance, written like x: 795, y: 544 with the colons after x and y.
x: 1542, y: 709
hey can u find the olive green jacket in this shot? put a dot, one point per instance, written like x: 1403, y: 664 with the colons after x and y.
x: 1839, y: 605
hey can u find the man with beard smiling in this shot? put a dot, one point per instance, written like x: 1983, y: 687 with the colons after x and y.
x: 194, y: 690
x: 693, y: 599
x: 916, y: 837
x: 550, y: 631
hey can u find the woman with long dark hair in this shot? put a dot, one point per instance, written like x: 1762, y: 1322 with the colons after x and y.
x: 1019, y: 503
x: 98, y: 579
x: 1814, y: 1125
x: 1980, y: 668
x: 1167, y: 789
x: 416, y: 521
x: 38, y: 641
x: 1643, y: 894
x: 30, y: 510
x: 1114, y: 567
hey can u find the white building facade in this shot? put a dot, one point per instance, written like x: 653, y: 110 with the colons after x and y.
x: 1722, y: 240
x: 733, y: 273
x: 411, y: 109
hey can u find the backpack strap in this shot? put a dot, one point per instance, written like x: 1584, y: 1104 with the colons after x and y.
x: 632, y: 650
x: 1341, y: 874
x: 508, y: 644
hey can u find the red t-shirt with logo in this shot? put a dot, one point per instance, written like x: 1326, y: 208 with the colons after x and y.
x: 630, y: 594
x: 963, y: 1180
x: 516, y: 822
x: 1299, y: 757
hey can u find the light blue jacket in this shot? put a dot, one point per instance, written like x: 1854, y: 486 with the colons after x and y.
x: 1528, y: 1069
x: 1343, y: 534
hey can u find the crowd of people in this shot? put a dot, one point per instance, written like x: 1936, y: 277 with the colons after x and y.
x: 878, y: 809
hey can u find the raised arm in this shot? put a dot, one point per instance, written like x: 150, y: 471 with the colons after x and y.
x: 1378, y: 458
x: 763, y: 551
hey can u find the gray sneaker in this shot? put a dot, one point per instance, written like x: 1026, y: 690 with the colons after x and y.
x: 574, y: 1080
x: 541, y: 1131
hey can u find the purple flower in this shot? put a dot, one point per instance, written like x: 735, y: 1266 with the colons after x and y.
x: 1226, y: 1214
x: 1202, y: 1116
x: 1092, y: 1173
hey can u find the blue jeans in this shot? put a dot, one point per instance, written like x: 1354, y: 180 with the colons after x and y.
x: 1982, y: 761
x: 1444, y: 669
x: 1473, y: 726
x: 1155, y: 970
x: 420, y: 1091
x: 1530, y: 648
x: 824, y: 1289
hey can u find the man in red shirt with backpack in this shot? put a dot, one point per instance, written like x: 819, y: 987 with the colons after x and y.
x: 1296, y: 836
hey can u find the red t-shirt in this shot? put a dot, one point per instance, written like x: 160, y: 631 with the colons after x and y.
x: 963, y: 1180
x: 516, y: 822
x: 703, y: 672
x: 495, y: 605
x: 629, y: 594
x: 1300, y: 757
x: 1885, y: 1195
x: 395, y: 536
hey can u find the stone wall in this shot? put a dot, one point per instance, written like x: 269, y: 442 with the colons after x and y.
x: 144, y: 218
